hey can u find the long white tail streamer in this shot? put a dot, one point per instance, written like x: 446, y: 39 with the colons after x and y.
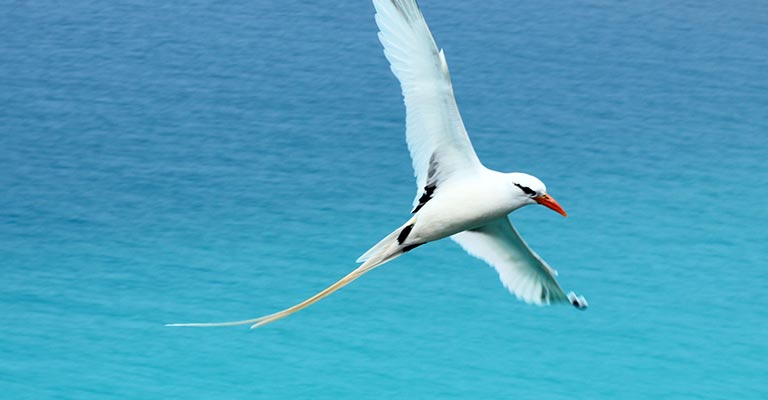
x: 375, y: 261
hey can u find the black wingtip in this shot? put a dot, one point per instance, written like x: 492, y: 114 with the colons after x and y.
x: 578, y: 301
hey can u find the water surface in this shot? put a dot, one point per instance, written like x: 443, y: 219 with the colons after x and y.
x: 196, y: 161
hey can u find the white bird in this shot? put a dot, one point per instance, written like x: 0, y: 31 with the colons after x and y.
x: 457, y: 196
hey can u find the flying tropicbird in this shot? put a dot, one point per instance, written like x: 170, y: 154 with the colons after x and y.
x: 457, y: 196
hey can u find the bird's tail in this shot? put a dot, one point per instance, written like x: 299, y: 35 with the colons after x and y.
x: 386, y: 250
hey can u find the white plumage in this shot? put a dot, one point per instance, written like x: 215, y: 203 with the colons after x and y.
x: 433, y: 123
x: 521, y: 270
x: 457, y: 196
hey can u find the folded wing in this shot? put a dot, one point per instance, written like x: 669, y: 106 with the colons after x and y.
x: 521, y: 270
x: 439, y: 144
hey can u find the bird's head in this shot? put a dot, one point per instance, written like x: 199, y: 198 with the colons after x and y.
x: 530, y: 190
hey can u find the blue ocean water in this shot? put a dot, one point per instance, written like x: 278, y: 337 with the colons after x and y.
x: 202, y: 161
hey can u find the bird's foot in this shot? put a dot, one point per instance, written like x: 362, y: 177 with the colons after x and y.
x: 578, y: 301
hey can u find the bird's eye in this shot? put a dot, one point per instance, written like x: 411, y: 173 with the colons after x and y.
x: 526, y: 190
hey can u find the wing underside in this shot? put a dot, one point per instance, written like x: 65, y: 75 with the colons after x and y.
x: 439, y: 145
x: 521, y: 270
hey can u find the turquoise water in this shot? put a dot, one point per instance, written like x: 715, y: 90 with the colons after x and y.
x: 205, y: 161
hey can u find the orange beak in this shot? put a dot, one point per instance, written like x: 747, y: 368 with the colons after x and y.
x: 547, y: 201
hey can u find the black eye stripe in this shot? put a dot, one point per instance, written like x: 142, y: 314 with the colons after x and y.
x: 526, y: 189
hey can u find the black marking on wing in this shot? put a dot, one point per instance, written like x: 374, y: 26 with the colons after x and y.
x: 400, y: 9
x: 411, y: 247
x: 404, y: 234
x: 397, y: 7
x: 526, y: 189
x: 425, y: 197
x: 432, y: 168
x: 431, y: 185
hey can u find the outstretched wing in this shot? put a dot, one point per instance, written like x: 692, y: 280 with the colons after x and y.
x: 439, y: 144
x: 521, y: 270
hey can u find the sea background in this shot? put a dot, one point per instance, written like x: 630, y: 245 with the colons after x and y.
x: 188, y: 161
